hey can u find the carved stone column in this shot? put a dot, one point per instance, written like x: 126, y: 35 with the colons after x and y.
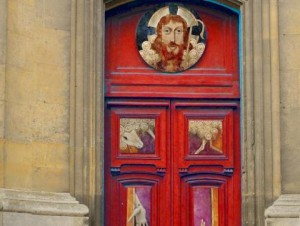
x: 261, y: 109
x: 86, y: 105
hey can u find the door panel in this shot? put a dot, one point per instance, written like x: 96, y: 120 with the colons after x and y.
x: 137, y: 176
x: 206, y: 160
x: 203, y: 201
x: 139, y: 132
x: 205, y: 132
x: 129, y: 192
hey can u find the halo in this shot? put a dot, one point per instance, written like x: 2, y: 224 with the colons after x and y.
x: 188, y: 16
x: 158, y: 15
x: 184, y: 13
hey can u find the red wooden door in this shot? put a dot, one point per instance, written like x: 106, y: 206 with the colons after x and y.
x: 188, y: 169
x: 172, y: 141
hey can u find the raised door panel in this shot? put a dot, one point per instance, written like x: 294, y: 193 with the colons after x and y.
x: 137, y: 166
x: 139, y: 133
x: 206, y: 163
x: 208, y: 199
x: 205, y: 133
x: 136, y: 199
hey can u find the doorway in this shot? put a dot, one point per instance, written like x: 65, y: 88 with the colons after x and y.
x: 175, y: 162
x: 172, y: 150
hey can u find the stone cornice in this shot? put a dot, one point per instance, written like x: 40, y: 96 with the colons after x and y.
x: 41, y: 203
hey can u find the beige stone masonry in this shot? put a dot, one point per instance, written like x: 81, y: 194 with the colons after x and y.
x: 289, y: 37
x: 37, y: 73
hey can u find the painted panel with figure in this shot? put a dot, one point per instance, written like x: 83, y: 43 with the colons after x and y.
x: 138, y: 206
x: 172, y: 39
x: 137, y: 136
x: 205, y: 137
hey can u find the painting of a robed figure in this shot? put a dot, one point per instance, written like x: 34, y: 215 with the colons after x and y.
x: 172, y: 39
x: 205, y: 137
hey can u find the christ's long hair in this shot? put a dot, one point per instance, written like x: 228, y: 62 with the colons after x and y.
x: 160, y: 48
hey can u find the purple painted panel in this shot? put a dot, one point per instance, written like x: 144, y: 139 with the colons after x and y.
x: 144, y: 194
x: 202, y: 206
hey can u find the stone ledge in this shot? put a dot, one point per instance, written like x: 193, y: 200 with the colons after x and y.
x: 286, y: 206
x: 41, y: 203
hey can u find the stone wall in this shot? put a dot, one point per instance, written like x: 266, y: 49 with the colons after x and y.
x: 2, y: 82
x: 289, y: 37
x: 37, y: 94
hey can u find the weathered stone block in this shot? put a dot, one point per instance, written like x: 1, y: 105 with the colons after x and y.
x: 38, y: 166
x: 283, y: 222
x: 25, y: 208
x: 290, y: 89
x: 289, y: 14
x: 289, y: 49
x: 1, y: 164
x: 285, y: 211
x: 28, y: 122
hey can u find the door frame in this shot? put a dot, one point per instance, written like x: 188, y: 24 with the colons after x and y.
x: 260, y: 103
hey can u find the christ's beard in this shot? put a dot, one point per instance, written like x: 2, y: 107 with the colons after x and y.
x: 172, y: 51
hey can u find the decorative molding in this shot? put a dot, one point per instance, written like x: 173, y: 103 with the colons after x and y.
x: 228, y: 171
x: 110, y: 4
x: 236, y: 2
x: 161, y: 171
x: 183, y: 171
x: 115, y: 171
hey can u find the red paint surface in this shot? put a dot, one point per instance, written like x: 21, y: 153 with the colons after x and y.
x: 210, y: 90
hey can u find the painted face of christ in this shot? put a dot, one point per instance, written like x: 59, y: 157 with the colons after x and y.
x: 171, y: 41
x: 172, y: 37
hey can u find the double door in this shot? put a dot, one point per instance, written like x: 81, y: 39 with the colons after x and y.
x: 171, y: 162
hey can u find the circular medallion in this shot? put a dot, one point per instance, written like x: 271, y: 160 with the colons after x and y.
x: 171, y: 38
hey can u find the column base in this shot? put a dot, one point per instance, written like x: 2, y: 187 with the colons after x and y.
x: 28, y: 208
x: 285, y: 211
